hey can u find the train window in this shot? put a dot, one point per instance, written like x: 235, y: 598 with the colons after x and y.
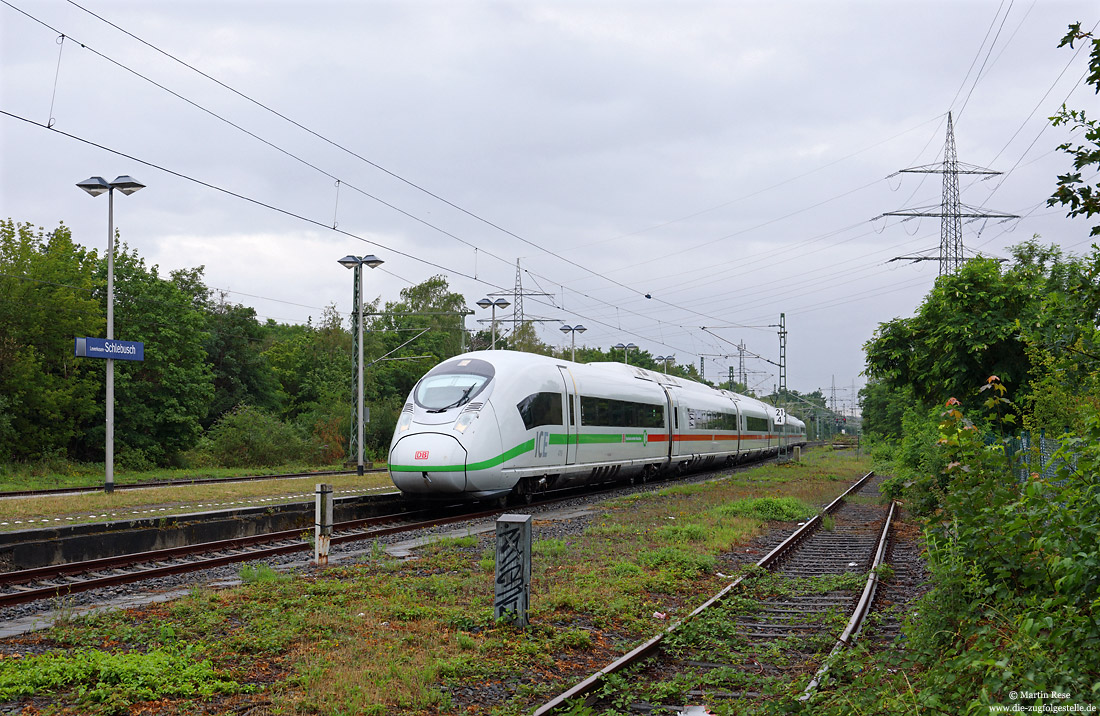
x: 756, y: 425
x: 540, y: 409
x: 726, y: 421
x: 572, y: 410
x: 607, y: 412
x: 714, y: 420
x: 453, y: 383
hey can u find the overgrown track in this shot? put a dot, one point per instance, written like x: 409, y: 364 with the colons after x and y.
x: 761, y: 632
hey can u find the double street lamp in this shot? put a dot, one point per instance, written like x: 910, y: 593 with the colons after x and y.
x: 96, y: 186
x: 626, y: 350
x: 357, y: 263
x: 665, y: 360
x: 499, y: 303
x: 573, y: 330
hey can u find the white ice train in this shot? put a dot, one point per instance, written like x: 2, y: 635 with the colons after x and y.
x: 486, y: 424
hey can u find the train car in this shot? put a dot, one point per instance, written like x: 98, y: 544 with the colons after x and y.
x: 488, y: 424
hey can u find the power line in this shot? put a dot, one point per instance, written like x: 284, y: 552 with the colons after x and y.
x: 300, y: 217
x: 334, y: 227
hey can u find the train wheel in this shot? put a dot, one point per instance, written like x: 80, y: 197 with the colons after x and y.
x: 524, y: 492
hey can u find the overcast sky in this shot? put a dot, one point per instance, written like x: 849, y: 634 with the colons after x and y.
x: 728, y: 159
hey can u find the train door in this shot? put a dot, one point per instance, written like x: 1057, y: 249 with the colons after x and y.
x: 682, y: 419
x: 739, y: 425
x: 572, y: 415
x: 670, y: 419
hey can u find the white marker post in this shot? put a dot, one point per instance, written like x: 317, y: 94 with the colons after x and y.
x: 322, y: 526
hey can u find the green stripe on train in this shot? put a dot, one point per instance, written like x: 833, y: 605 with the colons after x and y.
x: 555, y: 439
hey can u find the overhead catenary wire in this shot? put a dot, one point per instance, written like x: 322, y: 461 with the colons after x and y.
x: 288, y: 213
x: 284, y: 117
x: 601, y: 275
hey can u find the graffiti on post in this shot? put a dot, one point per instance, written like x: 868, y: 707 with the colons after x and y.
x: 513, y: 568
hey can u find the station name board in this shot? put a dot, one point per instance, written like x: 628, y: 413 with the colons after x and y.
x: 104, y: 348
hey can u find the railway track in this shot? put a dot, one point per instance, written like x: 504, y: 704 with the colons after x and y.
x: 52, y: 581
x: 779, y: 622
x: 20, y: 587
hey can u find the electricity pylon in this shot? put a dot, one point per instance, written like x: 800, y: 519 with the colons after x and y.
x: 951, y: 210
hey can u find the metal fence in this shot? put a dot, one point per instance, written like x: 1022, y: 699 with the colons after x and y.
x: 1030, y: 454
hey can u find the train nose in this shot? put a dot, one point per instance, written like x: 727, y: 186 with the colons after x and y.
x: 428, y: 463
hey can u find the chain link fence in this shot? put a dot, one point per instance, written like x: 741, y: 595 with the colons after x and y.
x: 1029, y: 454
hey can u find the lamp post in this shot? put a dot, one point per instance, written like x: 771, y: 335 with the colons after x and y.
x: 665, y: 360
x: 357, y: 263
x: 574, y: 330
x: 96, y: 186
x: 626, y: 350
x: 499, y: 303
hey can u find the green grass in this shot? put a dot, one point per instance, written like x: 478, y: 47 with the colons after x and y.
x: 111, y: 682
x: 130, y: 504
x: 769, y: 508
x: 251, y: 574
x: 53, y: 474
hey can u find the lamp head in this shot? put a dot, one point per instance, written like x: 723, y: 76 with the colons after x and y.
x: 95, y: 186
x: 485, y: 303
x: 566, y: 329
x: 501, y: 303
x: 372, y: 261
x: 579, y: 328
x: 349, y: 261
x: 126, y: 184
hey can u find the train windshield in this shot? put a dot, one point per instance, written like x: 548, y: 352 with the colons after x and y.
x: 453, y: 384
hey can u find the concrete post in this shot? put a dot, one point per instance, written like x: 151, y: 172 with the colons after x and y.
x: 797, y: 453
x: 322, y: 526
x: 513, y: 569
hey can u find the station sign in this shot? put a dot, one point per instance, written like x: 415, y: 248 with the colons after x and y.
x: 780, y: 416
x: 109, y: 348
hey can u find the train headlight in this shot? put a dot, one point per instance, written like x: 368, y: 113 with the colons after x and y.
x: 464, y: 421
x: 405, y: 422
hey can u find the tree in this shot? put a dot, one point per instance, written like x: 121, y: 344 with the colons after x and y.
x: 427, y: 321
x: 160, y: 401
x: 1082, y: 198
x: 965, y: 330
x: 423, y: 328
x: 524, y: 338
x: 47, y: 395
x: 1032, y: 322
x: 883, y: 407
x: 313, y: 366
x: 234, y: 347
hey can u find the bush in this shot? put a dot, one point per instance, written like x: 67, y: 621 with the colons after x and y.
x: 250, y: 437
x: 133, y: 460
x: 1015, y: 605
x: 919, y: 462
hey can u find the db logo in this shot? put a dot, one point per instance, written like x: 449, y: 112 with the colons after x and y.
x: 421, y: 455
